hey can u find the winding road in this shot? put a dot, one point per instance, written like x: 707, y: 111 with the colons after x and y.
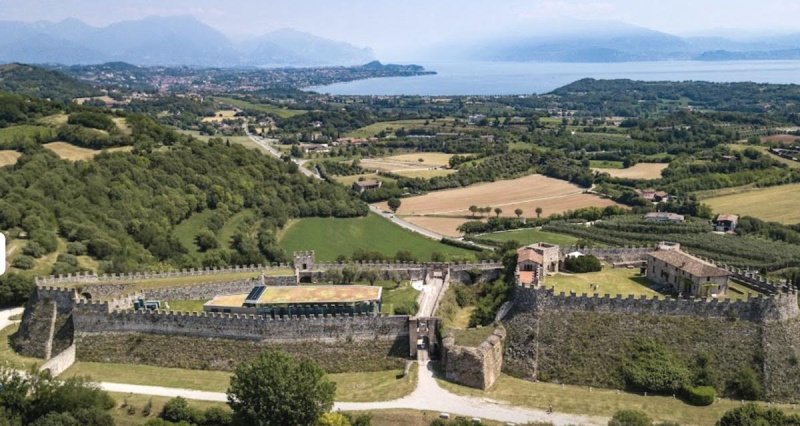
x: 266, y: 145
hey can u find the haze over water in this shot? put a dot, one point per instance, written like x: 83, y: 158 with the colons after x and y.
x: 506, y: 78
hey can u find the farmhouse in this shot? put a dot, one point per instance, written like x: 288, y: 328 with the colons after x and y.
x: 652, y: 195
x: 314, y: 147
x: 664, y: 217
x: 726, y: 222
x: 535, y: 261
x: 684, y: 273
x: 300, y: 300
x: 366, y: 185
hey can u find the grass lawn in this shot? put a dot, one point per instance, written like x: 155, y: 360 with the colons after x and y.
x: 597, y: 402
x: 605, y: 164
x: 186, y: 230
x: 331, y: 237
x: 472, y: 336
x: 9, y: 358
x: 532, y: 235
x: 232, y: 225
x: 403, y: 295
x: 775, y: 203
x: 270, y: 109
x: 137, y: 403
x: 374, y: 386
x: 404, y: 417
x: 186, y: 305
x: 351, y: 387
x: 741, y: 147
x: 610, y: 280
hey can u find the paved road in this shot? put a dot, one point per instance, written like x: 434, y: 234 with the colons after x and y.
x: 266, y: 145
x: 6, y: 314
x: 407, y: 225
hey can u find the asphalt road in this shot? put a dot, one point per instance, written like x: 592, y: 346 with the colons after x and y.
x: 266, y: 145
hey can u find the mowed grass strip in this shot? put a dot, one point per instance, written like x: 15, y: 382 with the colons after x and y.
x: 351, y: 387
x: 332, y: 237
x: 776, y: 203
x: 612, y: 281
x: 598, y: 402
x: 270, y: 109
x: 9, y: 157
x: 530, y: 236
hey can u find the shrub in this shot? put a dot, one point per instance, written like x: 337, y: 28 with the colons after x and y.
x: 700, y: 395
x: 630, y: 418
x: 24, y: 262
x: 14, y: 289
x: 651, y: 368
x: 755, y: 415
x: 34, y: 249
x: 583, y: 264
x: 178, y: 410
x: 76, y: 248
x: 745, y: 385
x: 406, y: 308
x: 218, y: 416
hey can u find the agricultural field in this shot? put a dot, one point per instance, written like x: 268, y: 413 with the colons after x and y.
x: 445, y: 210
x: 349, y: 180
x: 75, y: 153
x: 220, y: 116
x: 530, y: 236
x: 780, y: 139
x: 638, y: 171
x: 25, y: 132
x: 776, y: 203
x: 406, y: 163
x: 425, y: 174
x: 332, y: 237
x: 269, y: 109
x: 9, y: 157
x: 384, y: 126
x: 741, y: 147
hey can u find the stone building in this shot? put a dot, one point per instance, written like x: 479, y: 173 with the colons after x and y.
x: 535, y: 261
x: 366, y: 185
x: 726, y: 222
x: 685, y: 273
x: 300, y: 300
x: 664, y: 217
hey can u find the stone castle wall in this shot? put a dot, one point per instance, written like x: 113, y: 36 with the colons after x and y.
x: 89, y: 278
x: 585, y: 339
x: 477, y: 367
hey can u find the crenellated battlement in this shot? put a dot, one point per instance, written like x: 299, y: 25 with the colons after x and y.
x: 92, y: 278
x: 776, y: 307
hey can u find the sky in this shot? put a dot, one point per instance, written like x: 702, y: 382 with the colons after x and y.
x: 395, y: 27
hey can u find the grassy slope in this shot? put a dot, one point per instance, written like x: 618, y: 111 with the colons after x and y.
x: 597, y: 402
x: 530, y: 236
x: 776, y: 203
x: 9, y: 358
x: 375, y: 128
x: 331, y: 237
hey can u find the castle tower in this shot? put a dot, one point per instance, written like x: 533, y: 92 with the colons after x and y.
x: 304, y: 260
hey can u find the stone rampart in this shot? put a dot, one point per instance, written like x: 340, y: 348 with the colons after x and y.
x: 91, y: 318
x: 89, y: 278
x: 477, y: 367
x: 61, y: 362
x: 777, y: 307
x: 209, y: 290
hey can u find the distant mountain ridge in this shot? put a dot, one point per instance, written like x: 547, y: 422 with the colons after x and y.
x: 168, y: 41
x: 600, y: 41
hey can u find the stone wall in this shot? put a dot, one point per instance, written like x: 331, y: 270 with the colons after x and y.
x: 207, y: 291
x: 477, y: 367
x: 94, y: 318
x: 46, y: 326
x: 61, y: 362
x: 585, y: 339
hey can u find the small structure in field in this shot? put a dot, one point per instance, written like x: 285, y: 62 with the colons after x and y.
x: 726, y: 222
x: 652, y: 195
x: 366, y: 185
x: 535, y: 261
x: 684, y: 273
x: 664, y: 217
x: 300, y: 300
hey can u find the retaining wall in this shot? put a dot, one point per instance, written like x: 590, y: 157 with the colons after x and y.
x: 477, y: 367
x: 61, y: 362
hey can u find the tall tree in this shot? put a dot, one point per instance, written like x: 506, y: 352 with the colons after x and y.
x: 275, y: 389
x: 539, y: 212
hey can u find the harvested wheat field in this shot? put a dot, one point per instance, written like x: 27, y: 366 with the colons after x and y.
x: 75, y: 153
x: 775, y: 203
x: 9, y: 157
x: 780, y: 139
x: 408, y: 162
x: 219, y: 116
x: 526, y: 193
x: 638, y: 171
x: 447, y: 226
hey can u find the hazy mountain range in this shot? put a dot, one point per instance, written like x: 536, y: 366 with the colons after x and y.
x: 179, y: 40
x: 183, y: 40
x: 604, y: 41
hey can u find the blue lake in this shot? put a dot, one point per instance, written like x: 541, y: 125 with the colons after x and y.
x: 505, y: 78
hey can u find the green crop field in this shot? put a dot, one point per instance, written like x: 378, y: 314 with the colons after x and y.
x: 530, y: 236
x: 331, y: 237
x: 605, y: 164
x: 270, y: 109
x: 25, y: 132
x: 375, y: 128
x: 776, y: 203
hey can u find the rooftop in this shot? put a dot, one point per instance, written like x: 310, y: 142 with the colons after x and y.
x: 529, y: 253
x: 727, y: 218
x: 689, y: 263
x: 367, y: 183
x: 298, y: 295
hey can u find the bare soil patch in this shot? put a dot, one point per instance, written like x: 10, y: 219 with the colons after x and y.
x: 638, y: 171
x: 9, y: 157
